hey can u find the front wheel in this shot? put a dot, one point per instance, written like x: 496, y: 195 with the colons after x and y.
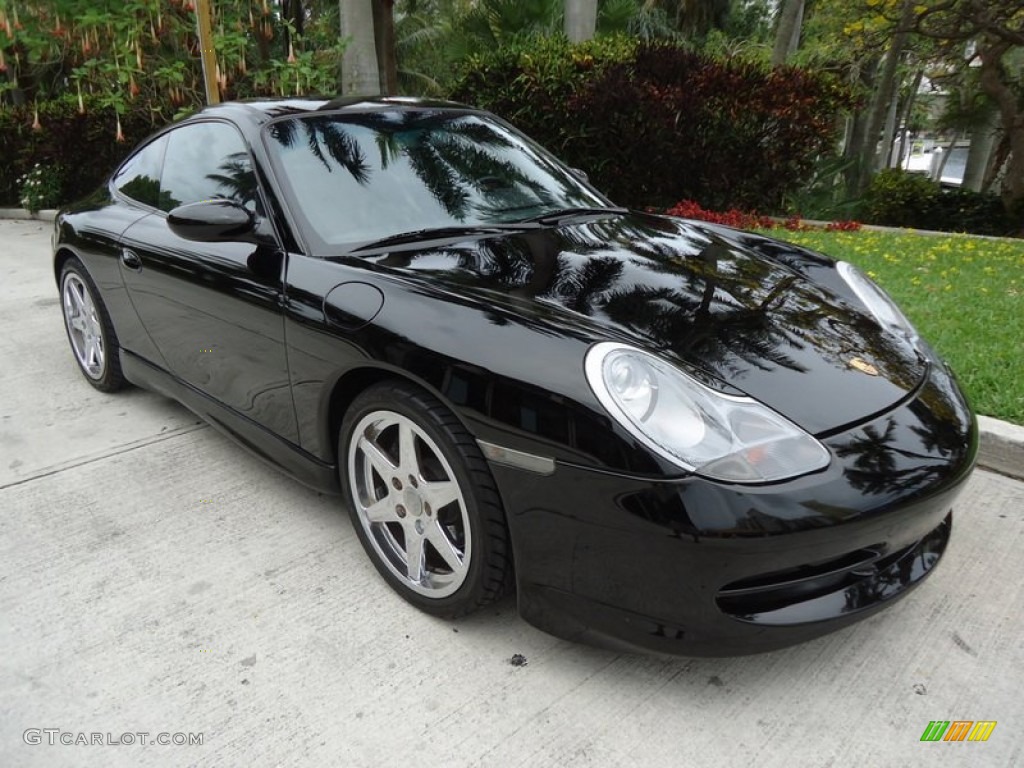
x: 423, y: 501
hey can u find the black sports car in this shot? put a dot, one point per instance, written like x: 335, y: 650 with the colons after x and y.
x: 661, y: 434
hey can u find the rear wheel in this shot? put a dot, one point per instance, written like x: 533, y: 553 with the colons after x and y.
x: 90, y: 331
x: 423, y: 501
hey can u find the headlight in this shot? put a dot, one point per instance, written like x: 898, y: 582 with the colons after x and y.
x: 724, y: 437
x: 877, y: 301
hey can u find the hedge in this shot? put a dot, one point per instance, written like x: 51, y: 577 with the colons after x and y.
x: 651, y: 123
x: 655, y: 123
x: 900, y: 199
x: 84, y: 145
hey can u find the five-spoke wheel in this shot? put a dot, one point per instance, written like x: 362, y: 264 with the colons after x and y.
x: 83, y: 326
x: 89, y: 329
x: 423, y: 501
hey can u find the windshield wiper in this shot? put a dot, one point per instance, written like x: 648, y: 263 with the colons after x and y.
x: 442, y: 233
x: 562, y: 214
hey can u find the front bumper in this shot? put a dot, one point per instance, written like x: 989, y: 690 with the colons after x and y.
x: 696, y: 567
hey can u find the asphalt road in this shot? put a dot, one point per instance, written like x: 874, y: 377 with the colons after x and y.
x: 154, y: 578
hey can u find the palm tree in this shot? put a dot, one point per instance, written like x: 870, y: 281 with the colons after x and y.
x: 359, y: 73
x: 580, y: 19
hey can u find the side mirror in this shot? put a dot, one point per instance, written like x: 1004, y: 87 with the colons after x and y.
x: 213, y: 221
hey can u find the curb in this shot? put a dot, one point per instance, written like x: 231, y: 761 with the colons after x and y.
x: 819, y: 224
x: 1001, y: 447
x: 1000, y: 443
x: 20, y: 214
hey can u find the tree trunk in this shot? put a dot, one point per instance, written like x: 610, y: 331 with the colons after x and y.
x: 854, y: 145
x: 852, y: 152
x: 983, y: 139
x: 906, y: 115
x: 889, y: 132
x: 996, y: 163
x: 945, y: 157
x: 580, y: 19
x: 883, y: 96
x: 384, y: 37
x: 787, y: 34
x: 359, y: 74
x: 993, y: 82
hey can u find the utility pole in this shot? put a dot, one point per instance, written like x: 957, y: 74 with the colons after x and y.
x: 206, y: 52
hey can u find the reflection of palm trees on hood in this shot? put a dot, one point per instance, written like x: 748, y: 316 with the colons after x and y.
x: 584, y: 286
x: 705, y: 318
x: 748, y: 306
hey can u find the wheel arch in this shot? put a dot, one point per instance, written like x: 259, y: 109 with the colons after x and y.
x: 339, y: 395
x: 61, y: 257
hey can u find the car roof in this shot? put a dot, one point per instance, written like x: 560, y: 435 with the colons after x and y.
x: 256, y: 112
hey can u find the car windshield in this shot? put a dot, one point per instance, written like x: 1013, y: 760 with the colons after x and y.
x: 359, y: 178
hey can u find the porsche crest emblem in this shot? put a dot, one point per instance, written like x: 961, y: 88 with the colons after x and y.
x: 863, y: 366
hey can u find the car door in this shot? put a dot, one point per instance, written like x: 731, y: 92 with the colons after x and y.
x: 213, y: 309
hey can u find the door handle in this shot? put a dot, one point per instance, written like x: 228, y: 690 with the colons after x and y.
x: 131, y: 259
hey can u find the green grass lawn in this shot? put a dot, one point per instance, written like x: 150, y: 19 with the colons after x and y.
x: 964, y: 294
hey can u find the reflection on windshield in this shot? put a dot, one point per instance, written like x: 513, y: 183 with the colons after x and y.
x: 363, y: 177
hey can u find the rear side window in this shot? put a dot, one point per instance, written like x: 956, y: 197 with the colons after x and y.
x: 139, y: 178
x: 207, y: 161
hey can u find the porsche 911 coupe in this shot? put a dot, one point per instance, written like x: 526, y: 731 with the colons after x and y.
x: 660, y: 434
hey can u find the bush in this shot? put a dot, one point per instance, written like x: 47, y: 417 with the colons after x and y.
x: 40, y: 187
x: 896, y: 198
x: 84, y: 144
x: 963, y: 210
x: 689, y: 209
x: 900, y: 199
x: 653, y: 123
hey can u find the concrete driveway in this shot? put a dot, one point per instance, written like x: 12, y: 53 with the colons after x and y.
x: 154, y: 578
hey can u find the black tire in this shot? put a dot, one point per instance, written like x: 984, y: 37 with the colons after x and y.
x: 448, y: 586
x: 95, y: 331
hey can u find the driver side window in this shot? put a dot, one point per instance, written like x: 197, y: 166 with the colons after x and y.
x: 139, y: 177
x: 207, y: 161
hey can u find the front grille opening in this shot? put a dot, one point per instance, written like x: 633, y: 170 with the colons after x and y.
x: 779, y: 589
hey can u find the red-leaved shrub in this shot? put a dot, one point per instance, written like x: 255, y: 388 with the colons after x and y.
x: 689, y: 209
x: 654, y: 123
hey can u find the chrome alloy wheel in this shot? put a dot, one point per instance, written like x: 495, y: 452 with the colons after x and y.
x: 409, y: 503
x: 83, y: 323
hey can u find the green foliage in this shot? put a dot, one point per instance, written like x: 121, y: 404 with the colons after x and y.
x: 104, y: 74
x: 899, y: 199
x: 85, y: 142
x: 118, y: 52
x: 435, y: 38
x: 40, y: 187
x: 896, y: 198
x: 653, y: 123
x: 822, y: 196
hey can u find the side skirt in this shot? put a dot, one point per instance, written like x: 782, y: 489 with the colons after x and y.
x: 265, y: 445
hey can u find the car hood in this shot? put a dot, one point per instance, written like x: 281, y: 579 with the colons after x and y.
x: 694, y: 296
